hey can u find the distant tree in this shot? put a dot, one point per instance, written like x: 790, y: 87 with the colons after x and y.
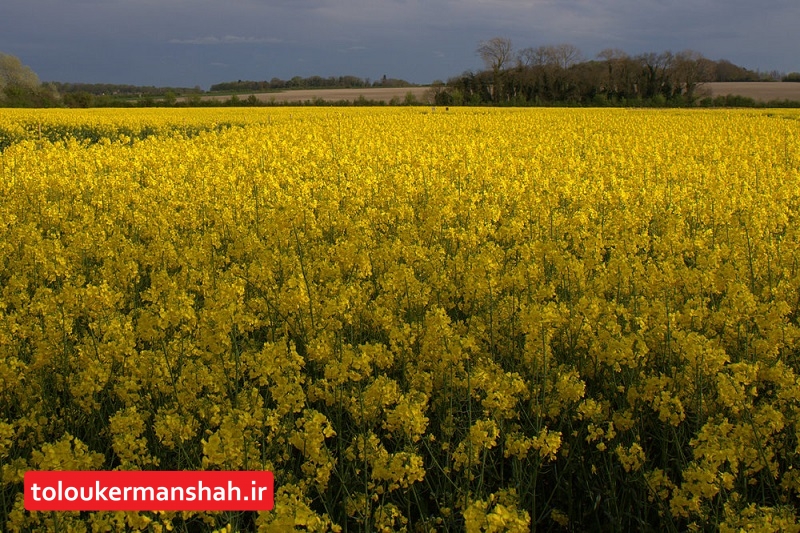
x: 565, y: 55
x: 532, y: 57
x: 727, y: 71
x: 20, y: 86
x: 566, y: 84
x: 170, y: 98
x: 585, y: 83
x: 656, y: 69
x: 691, y: 70
x: 615, y: 60
x: 78, y: 99
x: 438, y: 93
x: 496, y: 54
x: 14, y: 73
x: 551, y: 64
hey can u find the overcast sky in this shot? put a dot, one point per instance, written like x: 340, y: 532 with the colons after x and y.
x: 201, y: 42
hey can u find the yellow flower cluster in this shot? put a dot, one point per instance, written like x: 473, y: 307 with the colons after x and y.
x: 420, y: 319
x: 499, y: 513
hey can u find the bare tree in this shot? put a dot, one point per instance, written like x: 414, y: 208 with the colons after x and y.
x: 496, y: 54
x: 656, y: 69
x: 612, y: 54
x: 550, y: 65
x: 691, y: 70
x: 613, y: 57
x: 528, y: 57
x: 566, y: 55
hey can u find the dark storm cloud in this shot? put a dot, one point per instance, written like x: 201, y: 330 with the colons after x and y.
x: 189, y: 42
x: 227, y: 39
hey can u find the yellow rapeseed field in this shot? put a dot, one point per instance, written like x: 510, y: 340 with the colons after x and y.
x: 419, y: 319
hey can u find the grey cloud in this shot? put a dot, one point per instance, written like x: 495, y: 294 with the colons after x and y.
x: 227, y: 39
x: 184, y: 42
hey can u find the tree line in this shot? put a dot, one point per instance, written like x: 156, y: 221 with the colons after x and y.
x: 545, y: 75
x: 311, y: 82
x: 559, y: 74
x: 21, y: 87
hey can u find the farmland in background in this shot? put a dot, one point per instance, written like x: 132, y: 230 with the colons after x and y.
x: 758, y: 90
x: 376, y: 94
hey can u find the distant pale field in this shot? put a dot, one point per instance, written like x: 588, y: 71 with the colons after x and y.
x: 763, y: 91
x: 301, y: 95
